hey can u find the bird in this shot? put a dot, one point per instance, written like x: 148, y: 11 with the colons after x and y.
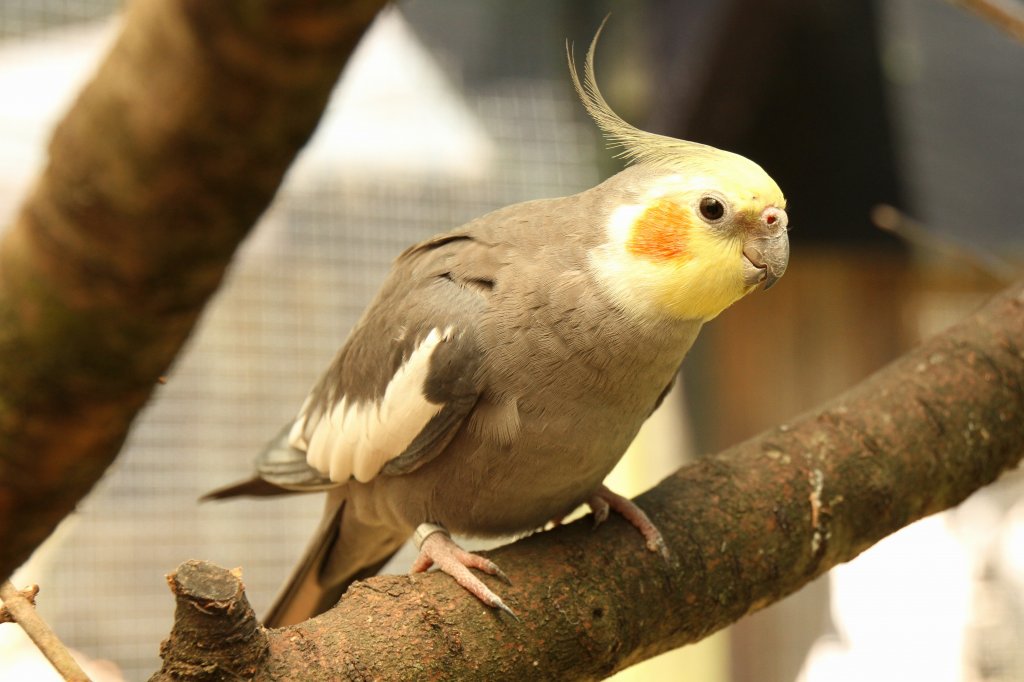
x: 504, y: 366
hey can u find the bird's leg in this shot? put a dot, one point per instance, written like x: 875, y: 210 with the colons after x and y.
x: 604, y: 499
x: 599, y: 507
x: 438, y: 549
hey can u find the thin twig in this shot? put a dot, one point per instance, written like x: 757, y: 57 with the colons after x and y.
x: 1000, y: 14
x: 28, y: 593
x: 22, y: 611
x: 891, y: 219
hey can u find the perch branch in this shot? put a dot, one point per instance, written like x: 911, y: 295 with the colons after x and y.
x: 746, y: 527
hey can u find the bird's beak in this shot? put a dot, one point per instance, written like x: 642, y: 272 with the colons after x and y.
x: 766, y: 252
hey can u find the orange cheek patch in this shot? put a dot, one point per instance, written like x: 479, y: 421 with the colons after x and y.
x: 660, y: 232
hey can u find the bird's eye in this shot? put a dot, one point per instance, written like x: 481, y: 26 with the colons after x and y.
x: 711, y: 209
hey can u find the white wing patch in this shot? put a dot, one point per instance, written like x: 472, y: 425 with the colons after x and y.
x: 358, y: 439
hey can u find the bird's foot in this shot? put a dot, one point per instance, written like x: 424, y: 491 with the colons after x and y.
x: 604, y: 500
x: 438, y: 549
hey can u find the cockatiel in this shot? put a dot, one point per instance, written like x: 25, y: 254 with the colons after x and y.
x: 505, y: 366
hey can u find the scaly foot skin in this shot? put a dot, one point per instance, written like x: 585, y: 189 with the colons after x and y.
x: 438, y: 549
x: 604, y: 500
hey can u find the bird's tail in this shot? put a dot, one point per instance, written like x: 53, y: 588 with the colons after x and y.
x: 343, y: 551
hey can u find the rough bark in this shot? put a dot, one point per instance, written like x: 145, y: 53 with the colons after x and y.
x: 164, y: 162
x: 216, y: 635
x: 746, y: 527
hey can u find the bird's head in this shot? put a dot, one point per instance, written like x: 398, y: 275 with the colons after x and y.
x: 696, y: 228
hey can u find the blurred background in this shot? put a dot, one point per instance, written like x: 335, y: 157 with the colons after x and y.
x: 904, y: 113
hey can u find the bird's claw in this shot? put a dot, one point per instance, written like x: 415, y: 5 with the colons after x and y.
x: 604, y: 500
x: 438, y: 549
x: 499, y: 604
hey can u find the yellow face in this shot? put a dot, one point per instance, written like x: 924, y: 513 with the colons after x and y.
x: 694, y: 245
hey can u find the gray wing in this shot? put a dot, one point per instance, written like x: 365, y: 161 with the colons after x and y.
x: 407, y: 378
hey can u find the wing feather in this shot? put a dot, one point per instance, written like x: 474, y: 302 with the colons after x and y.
x: 401, y: 414
x: 405, y: 381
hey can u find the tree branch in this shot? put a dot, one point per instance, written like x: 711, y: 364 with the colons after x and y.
x: 28, y: 595
x: 19, y: 607
x: 166, y: 159
x: 216, y: 635
x: 746, y: 527
x: 1005, y: 16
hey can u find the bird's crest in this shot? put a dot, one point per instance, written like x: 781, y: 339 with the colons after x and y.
x: 638, y: 146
